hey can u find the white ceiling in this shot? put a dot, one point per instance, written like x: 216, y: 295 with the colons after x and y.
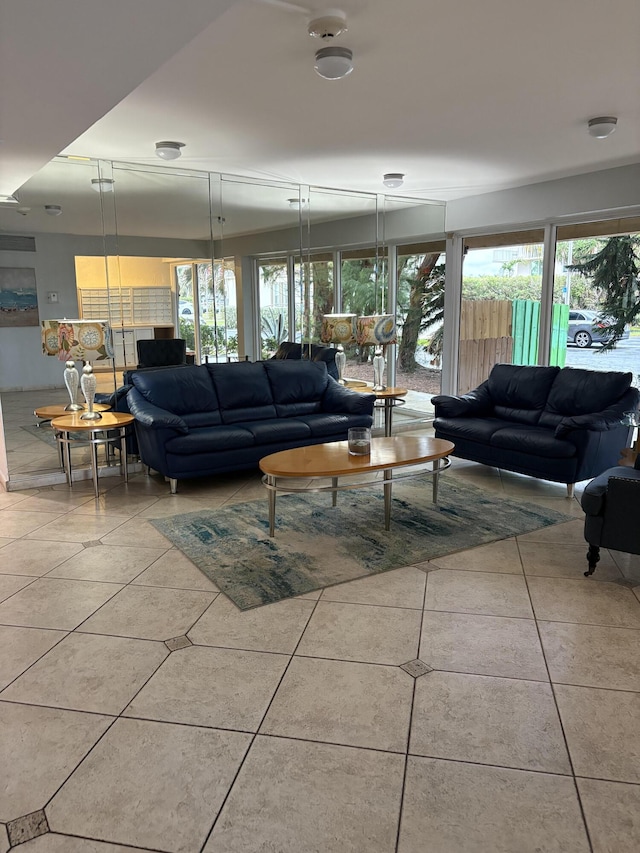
x: 463, y: 97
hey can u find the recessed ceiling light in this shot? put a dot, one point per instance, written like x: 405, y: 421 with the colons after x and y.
x: 393, y: 180
x: 52, y: 209
x: 104, y: 185
x: 602, y: 126
x: 334, y: 63
x: 169, y: 150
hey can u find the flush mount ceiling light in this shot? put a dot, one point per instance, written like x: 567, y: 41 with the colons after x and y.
x: 104, y: 185
x: 328, y: 25
x: 169, y: 150
x: 52, y: 209
x: 333, y: 63
x: 393, y: 180
x: 602, y: 126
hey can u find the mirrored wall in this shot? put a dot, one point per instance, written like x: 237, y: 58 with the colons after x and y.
x: 232, y: 265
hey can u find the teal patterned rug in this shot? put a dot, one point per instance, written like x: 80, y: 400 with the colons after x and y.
x: 317, y: 545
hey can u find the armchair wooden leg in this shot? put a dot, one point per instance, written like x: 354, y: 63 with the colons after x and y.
x: 593, y: 558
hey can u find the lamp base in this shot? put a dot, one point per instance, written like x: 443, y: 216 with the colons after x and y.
x: 91, y: 416
x: 74, y: 407
x: 341, y: 362
x: 378, y: 370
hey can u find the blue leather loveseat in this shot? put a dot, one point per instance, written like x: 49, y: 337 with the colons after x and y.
x: 558, y: 424
x: 215, y: 418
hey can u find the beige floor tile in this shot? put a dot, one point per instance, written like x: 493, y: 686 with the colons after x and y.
x: 484, y: 645
x: 4, y: 839
x: 601, y: 727
x: 14, y: 523
x: 584, y: 601
x: 362, y: 632
x: 567, y: 506
x: 4, y: 540
x: 451, y: 807
x: 612, y: 810
x: 53, y: 843
x: 273, y: 628
x: 87, y: 672
x: 157, y: 785
x: 491, y: 594
x: 55, y: 603
x: 398, y: 588
x: 150, y: 613
x: 108, y: 563
x: 629, y: 564
x: 73, y: 527
x: 296, y: 796
x: 110, y: 503
x: 564, y: 561
x: 10, y: 584
x: 354, y: 704
x: 501, y: 721
x: 20, y: 647
x: 34, y: 557
x: 8, y: 499
x: 525, y: 488
x: 566, y: 533
x: 55, y: 502
x: 592, y: 656
x: 137, y: 531
x: 39, y: 747
x: 175, y: 570
x: 169, y: 505
x: 224, y: 688
x: 502, y: 557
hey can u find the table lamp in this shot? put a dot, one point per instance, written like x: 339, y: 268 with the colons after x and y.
x: 339, y: 329
x: 377, y: 330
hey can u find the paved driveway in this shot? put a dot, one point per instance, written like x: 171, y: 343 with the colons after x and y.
x: 625, y: 357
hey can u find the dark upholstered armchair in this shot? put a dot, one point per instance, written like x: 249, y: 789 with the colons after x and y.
x: 611, y: 503
x: 162, y: 352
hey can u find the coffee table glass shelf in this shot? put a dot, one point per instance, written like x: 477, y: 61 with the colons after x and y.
x: 332, y: 460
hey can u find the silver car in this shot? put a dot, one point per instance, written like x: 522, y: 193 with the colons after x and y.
x: 588, y: 327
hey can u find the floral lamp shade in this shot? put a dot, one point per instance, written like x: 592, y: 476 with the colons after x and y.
x: 376, y: 330
x: 338, y: 329
x: 77, y: 340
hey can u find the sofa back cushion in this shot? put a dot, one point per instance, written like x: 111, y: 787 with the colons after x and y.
x: 582, y: 392
x: 519, y: 393
x: 183, y: 391
x: 297, y: 386
x: 243, y: 390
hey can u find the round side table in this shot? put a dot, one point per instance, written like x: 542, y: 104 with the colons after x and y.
x: 97, y: 433
x: 391, y: 398
x: 45, y: 414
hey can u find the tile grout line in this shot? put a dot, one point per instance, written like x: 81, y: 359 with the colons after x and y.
x: 557, y: 707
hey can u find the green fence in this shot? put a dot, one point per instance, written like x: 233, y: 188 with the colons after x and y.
x: 525, y: 328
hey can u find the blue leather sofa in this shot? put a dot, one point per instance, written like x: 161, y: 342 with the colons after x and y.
x: 557, y: 424
x: 215, y: 418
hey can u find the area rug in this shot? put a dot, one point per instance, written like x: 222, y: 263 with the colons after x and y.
x: 317, y: 545
x: 44, y: 433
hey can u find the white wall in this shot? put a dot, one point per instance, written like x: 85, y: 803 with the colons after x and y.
x: 595, y: 193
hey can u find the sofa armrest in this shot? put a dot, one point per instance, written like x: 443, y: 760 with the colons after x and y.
x: 609, y: 418
x: 339, y: 399
x: 153, y: 416
x: 476, y: 402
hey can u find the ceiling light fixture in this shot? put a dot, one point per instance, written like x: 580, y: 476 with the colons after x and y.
x: 104, y: 185
x: 52, y: 209
x: 334, y: 63
x: 602, y: 126
x: 23, y: 210
x: 328, y: 25
x: 393, y: 180
x: 169, y: 150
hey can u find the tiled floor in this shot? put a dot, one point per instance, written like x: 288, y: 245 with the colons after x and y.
x: 140, y: 710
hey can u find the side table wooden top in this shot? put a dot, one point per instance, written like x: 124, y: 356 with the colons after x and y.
x: 109, y: 420
x: 48, y: 412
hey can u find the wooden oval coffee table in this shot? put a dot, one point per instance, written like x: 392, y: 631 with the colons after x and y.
x: 320, y: 461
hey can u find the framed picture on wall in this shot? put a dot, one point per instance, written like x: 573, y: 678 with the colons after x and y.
x: 18, y: 297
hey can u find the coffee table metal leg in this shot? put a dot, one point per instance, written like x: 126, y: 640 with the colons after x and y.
x: 334, y: 493
x: 271, y: 482
x: 388, y: 475
x: 436, y: 478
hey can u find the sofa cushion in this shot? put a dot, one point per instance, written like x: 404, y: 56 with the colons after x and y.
x: 244, y: 391
x: 277, y: 430
x: 471, y: 429
x: 580, y: 392
x: 519, y: 393
x: 538, y: 441
x: 179, y: 391
x: 202, y: 419
x: 297, y: 387
x: 210, y: 439
x: 333, y: 424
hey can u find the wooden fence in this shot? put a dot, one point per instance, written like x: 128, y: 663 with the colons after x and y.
x: 485, y: 339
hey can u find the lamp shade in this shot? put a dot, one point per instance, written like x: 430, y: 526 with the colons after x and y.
x: 338, y: 329
x: 376, y: 329
x: 77, y: 340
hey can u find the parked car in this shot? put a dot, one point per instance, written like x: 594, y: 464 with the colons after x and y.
x: 588, y: 327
